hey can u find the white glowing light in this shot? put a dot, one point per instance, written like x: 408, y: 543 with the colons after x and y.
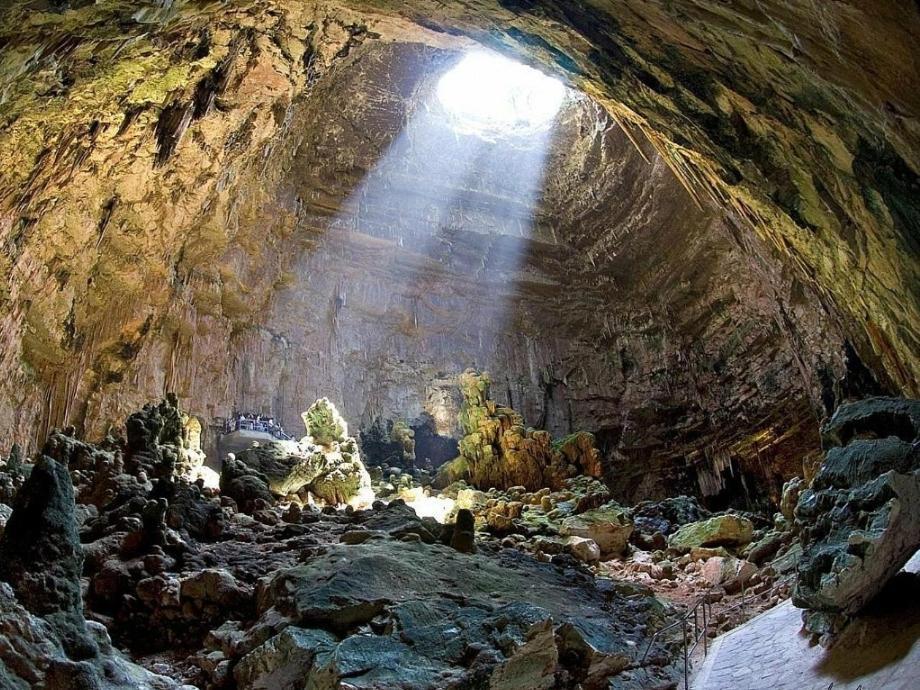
x: 488, y: 91
x: 424, y: 505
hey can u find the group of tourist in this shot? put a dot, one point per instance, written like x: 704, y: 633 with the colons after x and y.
x: 256, y: 422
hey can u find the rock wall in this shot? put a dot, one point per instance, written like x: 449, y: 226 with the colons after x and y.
x: 200, y: 206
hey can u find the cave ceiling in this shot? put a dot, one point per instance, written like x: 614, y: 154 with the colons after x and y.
x: 258, y: 203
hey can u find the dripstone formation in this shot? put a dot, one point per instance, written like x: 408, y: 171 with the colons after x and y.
x: 497, y: 450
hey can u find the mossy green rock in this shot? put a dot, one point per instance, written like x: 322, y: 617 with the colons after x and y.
x: 324, y: 424
x: 609, y: 526
x: 721, y: 530
x: 456, y: 470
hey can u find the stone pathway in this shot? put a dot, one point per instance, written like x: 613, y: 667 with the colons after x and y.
x: 881, y: 651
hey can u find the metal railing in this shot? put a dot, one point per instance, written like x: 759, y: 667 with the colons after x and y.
x: 698, y: 619
x: 255, y: 425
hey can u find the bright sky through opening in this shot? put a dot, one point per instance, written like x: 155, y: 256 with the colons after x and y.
x: 488, y: 91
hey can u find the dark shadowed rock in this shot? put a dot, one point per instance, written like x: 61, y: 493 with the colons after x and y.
x: 463, y: 538
x: 860, y: 520
x: 41, y: 557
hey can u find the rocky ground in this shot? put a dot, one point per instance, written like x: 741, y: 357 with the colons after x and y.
x: 124, y: 565
x: 259, y: 590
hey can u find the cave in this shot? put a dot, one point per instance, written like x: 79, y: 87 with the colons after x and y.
x: 494, y: 343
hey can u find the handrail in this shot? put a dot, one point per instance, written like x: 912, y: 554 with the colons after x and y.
x: 702, y: 609
x: 252, y: 425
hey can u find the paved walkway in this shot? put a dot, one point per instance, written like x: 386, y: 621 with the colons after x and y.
x: 881, y: 651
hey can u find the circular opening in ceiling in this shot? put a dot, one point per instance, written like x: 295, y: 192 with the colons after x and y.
x: 488, y: 93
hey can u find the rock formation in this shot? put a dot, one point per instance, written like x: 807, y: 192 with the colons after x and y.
x: 41, y: 557
x: 708, y: 247
x: 483, y: 629
x: 498, y: 451
x: 860, y: 519
x: 324, y: 464
x: 45, y: 640
x: 378, y: 596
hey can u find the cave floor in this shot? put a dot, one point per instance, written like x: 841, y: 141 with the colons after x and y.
x: 880, y: 651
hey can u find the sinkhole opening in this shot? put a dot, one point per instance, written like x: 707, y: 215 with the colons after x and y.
x: 488, y: 93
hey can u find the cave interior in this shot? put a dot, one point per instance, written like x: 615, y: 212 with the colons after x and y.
x: 313, y: 311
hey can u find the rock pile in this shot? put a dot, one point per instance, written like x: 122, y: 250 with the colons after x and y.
x: 289, y: 591
x: 45, y: 641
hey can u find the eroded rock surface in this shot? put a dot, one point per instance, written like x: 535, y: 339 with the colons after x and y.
x: 325, y: 464
x: 480, y: 624
x: 860, y: 519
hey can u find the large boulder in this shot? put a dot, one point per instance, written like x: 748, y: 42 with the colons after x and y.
x: 655, y: 520
x: 860, y: 519
x: 722, y: 530
x: 608, y: 526
x: 286, y: 466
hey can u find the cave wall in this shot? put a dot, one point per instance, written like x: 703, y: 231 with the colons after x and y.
x: 156, y: 239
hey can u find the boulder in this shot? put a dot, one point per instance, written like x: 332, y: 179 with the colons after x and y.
x: 722, y: 530
x: 285, y: 660
x: 860, y: 519
x: 398, y: 520
x: 585, y: 550
x: 766, y: 548
x: 286, y: 466
x: 667, y: 515
x: 728, y: 571
x: 608, y: 526
x: 243, y: 484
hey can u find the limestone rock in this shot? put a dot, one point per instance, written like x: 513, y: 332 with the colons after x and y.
x: 506, y: 620
x: 860, y: 520
x: 324, y: 424
x: 243, y: 484
x: 326, y: 464
x: 41, y: 557
x: 791, y: 492
x: 33, y: 656
x: 608, y: 526
x: 721, y: 530
x: 668, y: 514
x: 501, y: 453
x: 585, y: 550
x: 286, y: 660
x: 456, y: 470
